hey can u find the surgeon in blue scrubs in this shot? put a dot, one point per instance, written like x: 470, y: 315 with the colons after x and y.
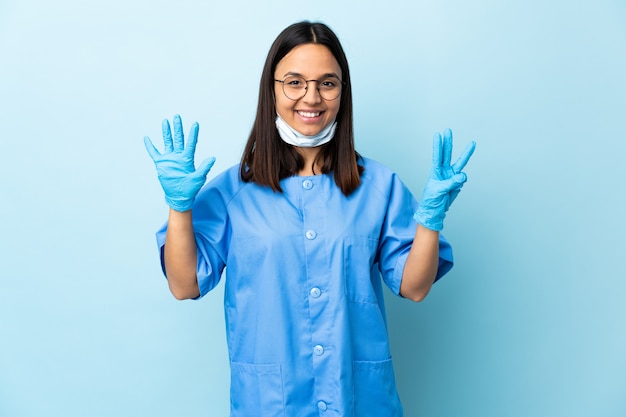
x: 307, y: 231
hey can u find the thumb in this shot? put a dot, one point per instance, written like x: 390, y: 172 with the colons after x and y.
x: 152, y: 150
x: 206, y: 166
x: 455, y: 182
x: 460, y: 178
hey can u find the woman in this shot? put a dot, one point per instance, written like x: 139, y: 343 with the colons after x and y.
x: 305, y: 228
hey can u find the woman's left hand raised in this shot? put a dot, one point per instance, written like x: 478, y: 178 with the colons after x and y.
x: 444, y: 183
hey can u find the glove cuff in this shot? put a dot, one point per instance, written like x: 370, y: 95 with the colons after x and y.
x: 179, y: 204
x: 429, y: 220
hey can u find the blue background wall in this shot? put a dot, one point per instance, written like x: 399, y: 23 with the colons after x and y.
x: 532, y: 320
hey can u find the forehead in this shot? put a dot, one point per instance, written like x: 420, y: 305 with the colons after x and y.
x: 310, y: 60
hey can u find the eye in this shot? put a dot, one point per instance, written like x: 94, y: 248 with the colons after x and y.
x: 294, y: 82
x: 329, y: 83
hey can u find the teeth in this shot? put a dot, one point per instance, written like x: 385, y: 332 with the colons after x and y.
x: 308, y: 114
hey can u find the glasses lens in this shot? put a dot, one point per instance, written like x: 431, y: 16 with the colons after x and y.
x: 329, y: 88
x: 294, y: 87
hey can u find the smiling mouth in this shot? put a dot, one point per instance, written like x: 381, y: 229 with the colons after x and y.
x: 309, y: 114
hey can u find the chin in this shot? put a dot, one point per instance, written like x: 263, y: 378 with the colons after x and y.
x: 309, y: 132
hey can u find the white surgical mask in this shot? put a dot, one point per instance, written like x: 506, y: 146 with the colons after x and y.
x: 295, y: 138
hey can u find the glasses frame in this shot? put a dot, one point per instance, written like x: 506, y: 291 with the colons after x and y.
x: 306, y: 88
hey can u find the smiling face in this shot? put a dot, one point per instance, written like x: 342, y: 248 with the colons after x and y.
x: 310, y: 114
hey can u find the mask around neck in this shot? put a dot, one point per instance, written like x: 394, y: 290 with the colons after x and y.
x: 295, y: 138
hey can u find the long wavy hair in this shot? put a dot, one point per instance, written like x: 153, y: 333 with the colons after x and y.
x: 267, y: 159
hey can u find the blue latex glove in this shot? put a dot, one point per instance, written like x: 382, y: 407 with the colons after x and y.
x: 179, y: 178
x: 444, y: 183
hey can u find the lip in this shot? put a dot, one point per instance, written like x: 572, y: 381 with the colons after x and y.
x: 309, y: 116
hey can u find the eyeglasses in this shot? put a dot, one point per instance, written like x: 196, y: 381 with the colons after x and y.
x: 295, y: 87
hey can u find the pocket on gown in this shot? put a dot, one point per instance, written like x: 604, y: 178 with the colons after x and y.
x: 256, y: 390
x: 375, y: 391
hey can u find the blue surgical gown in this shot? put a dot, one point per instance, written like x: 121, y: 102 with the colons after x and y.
x: 305, y: 316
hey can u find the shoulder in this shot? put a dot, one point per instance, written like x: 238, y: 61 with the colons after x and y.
x: 224, y: 186
x: 228, y: 176
x: 379, y: 176
x: 374, y: 168
x: 385, y: 186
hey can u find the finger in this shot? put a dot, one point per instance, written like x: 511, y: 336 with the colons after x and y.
x: 437, y: 151
x: 452, y: 195
x: 167, y: 136
x: 447, y: 148
x: 152, y: 150
x: 458, y: 180
x: 465, y: 156
x: 206, y: 166
x: 192, y: 139
x: 454, y: 183
x: 179, y: 137
x: 457, y: 183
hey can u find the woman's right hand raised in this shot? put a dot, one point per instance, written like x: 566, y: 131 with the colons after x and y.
x: 180, y: 180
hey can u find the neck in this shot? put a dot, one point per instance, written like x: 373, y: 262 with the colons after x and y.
x: 309, y: 155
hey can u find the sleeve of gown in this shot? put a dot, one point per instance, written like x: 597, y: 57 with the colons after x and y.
x: 212, y: 232
x: 397, y: 237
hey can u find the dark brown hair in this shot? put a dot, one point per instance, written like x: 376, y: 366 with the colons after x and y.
x: 266, y: 158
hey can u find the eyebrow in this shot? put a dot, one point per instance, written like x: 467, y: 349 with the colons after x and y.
x: 328, y: 74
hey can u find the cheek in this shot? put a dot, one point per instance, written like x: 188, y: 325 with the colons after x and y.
x: 280, y: 100
x: 335, y: 109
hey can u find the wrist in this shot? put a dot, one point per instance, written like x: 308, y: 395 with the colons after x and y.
x: 180, y: 204
x: 429, y: 219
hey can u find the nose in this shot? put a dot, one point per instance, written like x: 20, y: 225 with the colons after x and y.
x: 312, y: 95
